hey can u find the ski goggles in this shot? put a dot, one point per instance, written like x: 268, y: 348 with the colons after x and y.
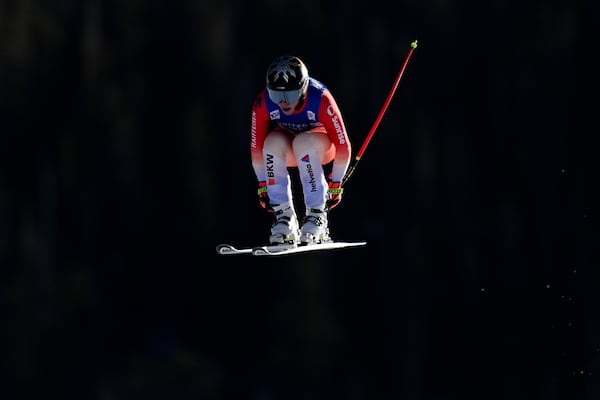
x: 288, y: 96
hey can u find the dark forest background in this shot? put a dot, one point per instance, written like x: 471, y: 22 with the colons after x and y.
x: 124, y: 161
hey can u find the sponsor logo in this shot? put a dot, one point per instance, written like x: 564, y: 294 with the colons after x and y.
x: 311, y: 115
x: 282, y: 70
x: 269, y: 167
x: 292, y: 127
x: 253, y: 131
x: 274, y: 114
x: 330, y: 110
x: 338, y: 129
x: 311, y: 174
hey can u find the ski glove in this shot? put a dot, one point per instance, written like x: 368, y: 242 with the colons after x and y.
x: 334, y: 194
x: 263, y: 196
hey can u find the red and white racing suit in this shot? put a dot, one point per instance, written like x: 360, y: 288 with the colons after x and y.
x: 312, y: 136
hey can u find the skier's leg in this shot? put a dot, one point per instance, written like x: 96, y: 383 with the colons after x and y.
x: 276, y: 151
x: 313, y: 150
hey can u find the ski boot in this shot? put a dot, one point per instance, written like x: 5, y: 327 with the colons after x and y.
x: 285, y: 228
x: 315, y: 227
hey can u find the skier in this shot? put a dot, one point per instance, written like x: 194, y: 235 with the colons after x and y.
x: 296, y: 122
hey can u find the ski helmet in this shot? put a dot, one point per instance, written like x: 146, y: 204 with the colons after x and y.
x: 287, y: 79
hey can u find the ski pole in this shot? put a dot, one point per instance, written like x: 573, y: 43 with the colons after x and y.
x: 350, y: 171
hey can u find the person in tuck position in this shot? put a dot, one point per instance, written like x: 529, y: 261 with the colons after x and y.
x: 296, y: 122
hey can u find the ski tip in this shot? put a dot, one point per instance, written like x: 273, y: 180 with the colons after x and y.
x: 226, y: 249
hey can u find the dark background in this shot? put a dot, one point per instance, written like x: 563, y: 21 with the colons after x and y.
x: 124, y: 156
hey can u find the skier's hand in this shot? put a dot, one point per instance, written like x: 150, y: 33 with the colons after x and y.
x: 334, y: 194
x: 263, y: 196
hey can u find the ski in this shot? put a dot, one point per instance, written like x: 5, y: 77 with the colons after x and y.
x: 228, y: 249
x: 282, y: 249
x: 293, y: 249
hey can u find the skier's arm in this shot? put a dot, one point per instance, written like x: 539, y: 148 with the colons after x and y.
x: 259, y: 127
x: 331, y: 118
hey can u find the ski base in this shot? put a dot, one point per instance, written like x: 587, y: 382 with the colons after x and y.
x: 293, y: 249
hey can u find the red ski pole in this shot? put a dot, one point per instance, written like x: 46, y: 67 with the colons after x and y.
x: 350, y: 171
